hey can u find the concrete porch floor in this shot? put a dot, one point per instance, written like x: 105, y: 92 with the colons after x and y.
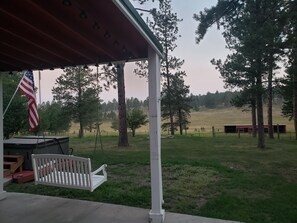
x: 28, y: 208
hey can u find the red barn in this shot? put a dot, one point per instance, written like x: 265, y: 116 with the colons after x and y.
x: 245, y: 128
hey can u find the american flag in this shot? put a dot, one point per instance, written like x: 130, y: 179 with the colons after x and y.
x: 26, y: 86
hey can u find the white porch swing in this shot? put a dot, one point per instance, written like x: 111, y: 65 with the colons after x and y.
x: 67, y: 171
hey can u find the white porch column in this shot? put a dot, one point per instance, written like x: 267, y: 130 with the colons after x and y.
x: 157, y: 214
x: 2, y: 192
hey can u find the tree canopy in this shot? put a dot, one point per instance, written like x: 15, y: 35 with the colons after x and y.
x: 136, y: 118
x: 16, y: 117
x: 77, y: 91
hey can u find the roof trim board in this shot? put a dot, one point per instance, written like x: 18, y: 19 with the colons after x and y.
x: 130, y: 12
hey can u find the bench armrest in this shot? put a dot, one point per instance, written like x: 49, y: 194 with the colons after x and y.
x: 101, y: 168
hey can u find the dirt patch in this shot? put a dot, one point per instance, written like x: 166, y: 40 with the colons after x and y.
x: 290, y: 174
x: 130, y: 173
x: 187, y: 187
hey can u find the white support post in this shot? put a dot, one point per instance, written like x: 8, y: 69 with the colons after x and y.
x: 2, y: 192
x: 157, y: 214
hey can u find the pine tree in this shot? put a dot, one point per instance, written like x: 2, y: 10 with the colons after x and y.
x: 123, y: 125
x: 54, y: 118
x: 114, y: 76
x: 74, y: 89
x: 290, y: 83
x: 182, y: 105
x: 165, y: 26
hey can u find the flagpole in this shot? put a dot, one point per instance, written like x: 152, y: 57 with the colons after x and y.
x: 12, y: 97
x: 39, y: 78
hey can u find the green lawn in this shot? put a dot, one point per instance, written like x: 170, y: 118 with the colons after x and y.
x: 223, y: 177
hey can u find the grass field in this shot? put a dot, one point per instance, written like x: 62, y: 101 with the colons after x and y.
x: 222, y: 177
x: 220, y: 117
x: 206, y: 118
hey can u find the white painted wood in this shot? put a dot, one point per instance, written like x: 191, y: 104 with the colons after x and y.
x: 157, y: 214
x: 67, y: 171
x: 2, y: 192
x: 128, y: 15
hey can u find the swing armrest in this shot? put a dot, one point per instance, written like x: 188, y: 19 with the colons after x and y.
x: 101, y: 168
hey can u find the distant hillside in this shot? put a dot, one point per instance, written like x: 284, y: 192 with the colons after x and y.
x: 213, y: 100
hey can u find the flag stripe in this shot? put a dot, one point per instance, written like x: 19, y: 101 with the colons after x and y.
x: 26, y: 86
x: 33, y: 117
x: 33, y: 112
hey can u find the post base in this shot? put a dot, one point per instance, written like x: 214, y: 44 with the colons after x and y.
x: 157, y: 217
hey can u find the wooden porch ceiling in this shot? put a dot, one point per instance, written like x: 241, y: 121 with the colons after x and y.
x: 42, y: 34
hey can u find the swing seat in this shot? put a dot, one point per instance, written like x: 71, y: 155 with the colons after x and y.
x: 67, y: 171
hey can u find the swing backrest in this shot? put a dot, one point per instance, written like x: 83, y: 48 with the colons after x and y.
x: 62, y: 170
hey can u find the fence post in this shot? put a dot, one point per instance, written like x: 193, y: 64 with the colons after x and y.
x: 277, y: 131
x: 213, y: 132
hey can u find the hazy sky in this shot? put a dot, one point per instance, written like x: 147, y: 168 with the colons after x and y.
x: 201, y: 75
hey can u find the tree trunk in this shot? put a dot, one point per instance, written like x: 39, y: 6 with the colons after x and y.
x: 261, y: 135
x: 133, y: 132
x: 81, y: 127
x: 81, y: 130
x: 123, y: 132
x: 295, y: 103
x: 169, y: 105
x: 168, y: 84
x: 254, y: 118
x: 180, y: 123
x: 269, y: 108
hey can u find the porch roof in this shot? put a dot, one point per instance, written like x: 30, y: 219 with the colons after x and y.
x: 42, y: 34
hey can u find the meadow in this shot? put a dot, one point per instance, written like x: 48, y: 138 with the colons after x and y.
x: 206, y: 118
x: 221, y: 177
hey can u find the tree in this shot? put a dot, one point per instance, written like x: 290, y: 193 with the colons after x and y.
x: 115, y: 124
x: 195, y: 102
x: 250, y: 32
x: 16, y: 116
x: 290, y: 82
x: 133, y: 103
x: 247, y: 98
x: 75, y: 89
x: 54, y: 118
x: 165, y: 26
x: 287, y: 93
x: 90, y: 97
x: 210, y: 100
x: 182, y: 105
x: 136, y: 118
x: 123, y: 133
x: 115, y: 75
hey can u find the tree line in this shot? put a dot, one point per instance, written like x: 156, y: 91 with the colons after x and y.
x: 197, y: 102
